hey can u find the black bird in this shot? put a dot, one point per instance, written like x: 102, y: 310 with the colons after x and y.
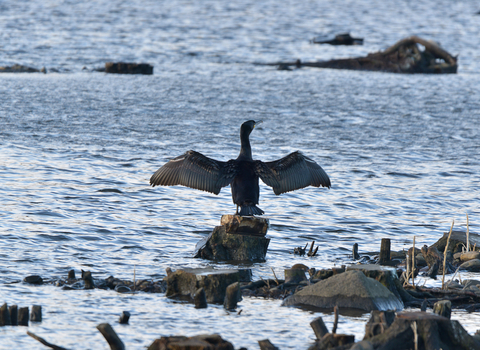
x: 195, y: 170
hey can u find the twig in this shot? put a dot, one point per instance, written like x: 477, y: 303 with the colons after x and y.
x: 445, y: 255
x: 44, y: 342
x: 468, y: 236
x: 415, y: 334
x: 134, y: 281
x: 274, y: 275
x: 335, y: 321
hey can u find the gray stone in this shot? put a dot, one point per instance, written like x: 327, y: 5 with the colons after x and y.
x: 295, y: 275
x: 469, y: 256
x: 471, y: 265
x: 34, y: 279
x: 351, y: 289
x: 240, y: 238
x: 362, y: 345
x: 215, y: 282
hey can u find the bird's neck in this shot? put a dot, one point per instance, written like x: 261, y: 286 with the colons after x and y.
x: 245, y: 150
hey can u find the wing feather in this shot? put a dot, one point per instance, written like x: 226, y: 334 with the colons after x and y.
x: 292, y: 172
x: 195, y: 170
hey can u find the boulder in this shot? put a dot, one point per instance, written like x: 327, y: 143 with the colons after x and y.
x: 295, y: 275
x: 128, y: 68
x: 199, y: 342
x: 458, y: 240
x: 186, y: 282
x: 351, y: 289
x: 467, y: 256
x: 240, y: 238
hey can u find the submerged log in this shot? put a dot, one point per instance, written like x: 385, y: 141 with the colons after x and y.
x: 403, y: 57
x: 240, y: 238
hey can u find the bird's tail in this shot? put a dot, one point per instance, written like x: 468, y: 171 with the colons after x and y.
x: 250, y: 210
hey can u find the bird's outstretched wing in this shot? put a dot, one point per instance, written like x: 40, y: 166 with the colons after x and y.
x: 291, y: 173
x: 195, y: 170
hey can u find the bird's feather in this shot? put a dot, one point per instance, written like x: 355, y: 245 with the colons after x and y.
x: 292, y: 172
x: 197, y: 171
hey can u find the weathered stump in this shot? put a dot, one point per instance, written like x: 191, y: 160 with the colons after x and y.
x: 200, y: 299
x: 23, y: 316
x: 384, y: 257
x: 13, y: 311
x: 111, y: 336
x: 36, y: 314
x: 319, y: 327
x: 379, y: 322
x: 266, y: 344
x: 124, y: 317
x: 128, y: 68
x: 233, y: 295
x: 4, y: 315
x: 443, y: 308
x: 215, y: 282
x: 240, y: 238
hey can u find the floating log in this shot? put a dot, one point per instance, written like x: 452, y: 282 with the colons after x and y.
x: 239, y: 238
x: 128, y: 68
x: 403, y: 57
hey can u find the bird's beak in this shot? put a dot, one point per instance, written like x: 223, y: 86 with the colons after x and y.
x: 258, y: 123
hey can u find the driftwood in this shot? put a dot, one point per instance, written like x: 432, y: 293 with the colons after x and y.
x: 403, y: 57
x: 44, y: 342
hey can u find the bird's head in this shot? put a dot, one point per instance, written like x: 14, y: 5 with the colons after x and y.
x: 248, y: 126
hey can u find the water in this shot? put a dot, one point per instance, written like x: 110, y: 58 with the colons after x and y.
x: 77, y: 149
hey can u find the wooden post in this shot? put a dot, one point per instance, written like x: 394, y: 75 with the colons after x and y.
x: 319, y: 327
x: 23, y: 316
x: 36, y: 315
x: 111, y: 337
x: 384, y: 251
x: 13, y: 311
x: 4, y: 315
x: 355, y: 255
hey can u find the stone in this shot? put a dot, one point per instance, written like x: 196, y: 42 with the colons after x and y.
x: 266, y: 344
x: 34, y: 279
x: 233, y: 295
x: 333, y: 341
x: 128, y: 68
x: 443, y: 308
x: 36, y: 314
x: 351, y: 289
x: 240, y: 238
x: 295, y: 276
x: 340, y: 39
x: 199, y: 342
x: 469, y: 283
x: 326, y: 273
x: 386, y: 276
x: 433, y: 332
x: 88, y: 279
x: 215, y: 282
x: 471, y: 265
x: 362, y: 345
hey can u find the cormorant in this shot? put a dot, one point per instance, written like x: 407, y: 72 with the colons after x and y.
x: 195, y: 170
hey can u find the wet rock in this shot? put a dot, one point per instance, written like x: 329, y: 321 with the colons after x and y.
x: 4, y: 315
x: 240, y: 238
x: 233, y: 295
x: 214, y: 282
x: 377, y: 324
x: 120, y: 288
x: 339, y: 39
x: 387, y: 276
x: 71, y: 275
x: 266, y: 345
x: 471, y: 265
x: 111, y: 336
x: 124, y: 317
x: 362, y: 345
x: 18, y: 68
x: 434, y: 260
x: 351, y: 289
x: 295, y: 275
x: 13, y: 311
x: 199, y: 342
x: 443, y: 308
x: 200, y: 299
x: 433, y: 332
x: 128, y: 68
x: 33, y: 279
x: 326, y: 273
x: 23, y: 316
x: 469, y: 283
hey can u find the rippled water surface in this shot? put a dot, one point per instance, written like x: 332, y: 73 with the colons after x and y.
x: 77, y: 149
